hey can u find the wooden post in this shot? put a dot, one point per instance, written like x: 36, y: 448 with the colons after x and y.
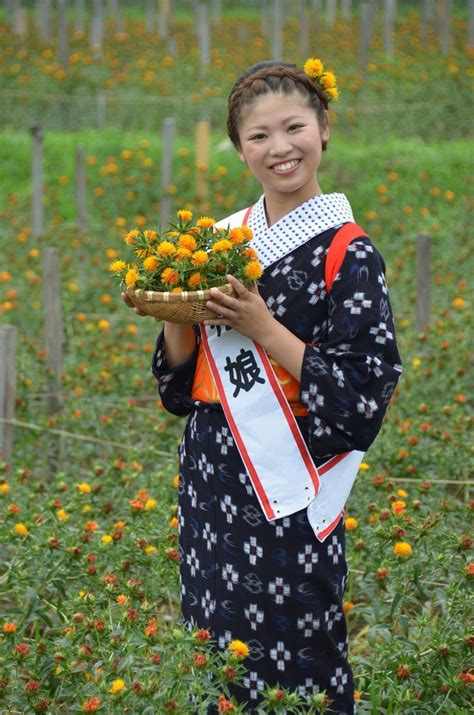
x: 364, y: 38
x: 203, y: 34
x: 346, y: 10
x: 163, y: 18
x: 423, y: 281
x: 265, y: 19
x: 470, y: 25
x: 216, y: 11
x: 97, y: 27
x: 20, y: 21
x: 444, y: 24
x: 101, y: 109
x: 149, y: 16
x: 81, y: 190
x: 54, y: 335
x: 304, y: 31
x: 8, y: 340
x: 388, y: 26
x: 43, y: 15
x: 37, y: 218
x: 427, y: 16
x: 63, y: 49
x: 330, y: 13
x: 203, y: 131
x: 79, y: 21
x: 277, y: 44
x: 168, y: 132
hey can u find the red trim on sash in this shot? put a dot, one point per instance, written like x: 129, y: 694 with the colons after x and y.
x: 247, y: 214
x: 322, y: 534
x: 301, y: 444
x: 332, y: 463
x: 235, y: 432
x: 338, y: 249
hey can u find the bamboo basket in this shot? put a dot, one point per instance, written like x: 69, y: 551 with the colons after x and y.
x: 186, y: 307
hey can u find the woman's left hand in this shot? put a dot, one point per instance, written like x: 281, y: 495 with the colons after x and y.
x: 246, y: 312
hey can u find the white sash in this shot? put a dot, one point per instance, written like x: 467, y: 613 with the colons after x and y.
x: 282, y: 472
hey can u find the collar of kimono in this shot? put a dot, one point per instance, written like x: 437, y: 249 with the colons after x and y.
x: 309, y: 219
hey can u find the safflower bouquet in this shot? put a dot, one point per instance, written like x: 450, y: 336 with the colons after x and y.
x: 169, y: 274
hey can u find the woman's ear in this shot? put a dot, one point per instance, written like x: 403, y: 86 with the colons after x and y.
x: 324, y: 127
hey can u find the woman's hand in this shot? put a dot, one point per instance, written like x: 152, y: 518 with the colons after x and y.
x: 247, y: 312
x: 128, y: 302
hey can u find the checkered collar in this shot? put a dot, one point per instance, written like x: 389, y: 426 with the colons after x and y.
x: 309, y: 219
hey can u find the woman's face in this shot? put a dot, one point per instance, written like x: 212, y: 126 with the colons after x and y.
x: 281, y: 142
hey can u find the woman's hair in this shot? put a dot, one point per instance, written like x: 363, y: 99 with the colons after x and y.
x: 265, y: 77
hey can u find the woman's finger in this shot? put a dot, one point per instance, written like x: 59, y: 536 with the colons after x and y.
x: 239, y: 287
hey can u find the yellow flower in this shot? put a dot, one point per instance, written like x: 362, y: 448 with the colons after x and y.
x: 416, y: 362
x: 117, y: 266
x: 122, y: 599
x: 103, y: 324
x: 166, y: 248
x: 238, y: 649
x: 402, y: 548
x: 398, y: 507
x: 182, y: 253
x: 205, y: 222
x: 106, y: 539
x: 150, y: 235
x: 21, y: 529
x: 84, y: 487
x: 4, y: 488
x: 200, y: 258
x: 223, y: 245
x: 459, y: 303
x: 195, y: 280
x: 175, y: 481
x: 237, y: 236
x: 117, y: 686
x: 328, y: 80
x: 187, y: 241
x: 150, y: 504
x: 364, y: 467
x: 131, y: 277
x: 184, y: 215
x: 313, y: 67
x: 150, y: 550
x: 131, y: 236
x: 351, y: 523
x: 402, y: 493
x: 174, y: 522
x: 333, y: 93
x: 150, y: 263
x: 9, y: 627
x: 253, y: 270
x: 62, y: 515
x: 169, y: 276
x: 248, y: 233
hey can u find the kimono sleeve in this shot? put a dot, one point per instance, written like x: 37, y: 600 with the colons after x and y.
x: 175, y: 384
x: 348, y: 378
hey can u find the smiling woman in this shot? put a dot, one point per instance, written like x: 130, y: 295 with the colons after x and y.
x: 303, y: 369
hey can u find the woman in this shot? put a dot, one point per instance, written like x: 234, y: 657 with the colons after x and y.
x: 271, y: 583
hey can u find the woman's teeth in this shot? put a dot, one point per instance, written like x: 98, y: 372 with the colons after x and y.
x: 286, y: 166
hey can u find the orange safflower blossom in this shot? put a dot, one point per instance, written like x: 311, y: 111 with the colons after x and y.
x: 402, y: 549
x: 238, y: 649
x: 205, y: 222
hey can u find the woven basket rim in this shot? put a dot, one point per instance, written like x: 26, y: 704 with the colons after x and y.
x: 185, y: 296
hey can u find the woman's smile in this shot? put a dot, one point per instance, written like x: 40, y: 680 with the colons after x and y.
x: 286, y: 167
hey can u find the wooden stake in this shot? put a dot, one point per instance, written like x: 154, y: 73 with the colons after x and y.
x: 330, y: 13
x: 346, y: 10
x: 54, y: 334
x: 37, y: 219
x: 388, y: 26
x: 81, y: 190
x: 168, y: 132
x: 277, y: 44
x: 444, y: 24
x: 101, y: 109
x: 470, y: 25
x: 203, y: 34
x: 423, y: 281
x: 364, y: 38
x: 203, y: 132
x: 8, y: 341
x: 304, y: 31
x: 63, y: 49
x: 163, y: 18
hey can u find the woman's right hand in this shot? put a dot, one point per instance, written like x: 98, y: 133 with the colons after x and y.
x: 128, y: 302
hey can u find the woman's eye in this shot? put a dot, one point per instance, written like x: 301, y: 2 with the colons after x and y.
x: 257, y: 136
x: 294, y: 126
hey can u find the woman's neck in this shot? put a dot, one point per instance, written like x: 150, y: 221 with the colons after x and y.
x: 280, y: 205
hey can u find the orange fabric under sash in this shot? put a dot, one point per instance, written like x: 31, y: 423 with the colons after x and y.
x: 204, y: 388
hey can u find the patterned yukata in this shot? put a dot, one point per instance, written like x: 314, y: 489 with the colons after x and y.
x: 272, y: 584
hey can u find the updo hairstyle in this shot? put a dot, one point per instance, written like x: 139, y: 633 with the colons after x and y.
x: 269, y: 76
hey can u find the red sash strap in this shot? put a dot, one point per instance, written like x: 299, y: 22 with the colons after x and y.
x: 338, y: 249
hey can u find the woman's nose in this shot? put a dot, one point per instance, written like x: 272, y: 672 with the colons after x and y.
x: 280, y: 145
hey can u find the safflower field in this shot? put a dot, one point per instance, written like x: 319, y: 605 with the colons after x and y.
x: 89, y: 599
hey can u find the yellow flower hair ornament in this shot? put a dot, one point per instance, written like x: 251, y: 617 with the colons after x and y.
x: 314, y: 69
